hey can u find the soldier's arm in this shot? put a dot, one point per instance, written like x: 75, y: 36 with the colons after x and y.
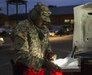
x: 48, y: 44
x: 21, y: 45
x: 49, y: 52
x: 48, y: 48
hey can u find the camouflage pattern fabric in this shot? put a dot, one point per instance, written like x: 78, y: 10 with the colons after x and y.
x: 31, y: 43
x: 42, y: 10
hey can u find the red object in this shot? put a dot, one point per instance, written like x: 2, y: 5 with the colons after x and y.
x: 30, y: 71
x: 41, y: 72
x: 57, y: 73
x: 33, y: 72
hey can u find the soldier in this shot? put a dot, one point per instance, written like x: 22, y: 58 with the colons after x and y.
x: 31, y: 42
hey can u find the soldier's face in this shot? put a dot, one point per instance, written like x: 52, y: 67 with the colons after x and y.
x: 39, y: 21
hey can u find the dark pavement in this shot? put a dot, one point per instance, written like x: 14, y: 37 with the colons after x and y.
x: 6, y: 53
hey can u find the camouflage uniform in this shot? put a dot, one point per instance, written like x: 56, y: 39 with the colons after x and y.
x: 31, y: 42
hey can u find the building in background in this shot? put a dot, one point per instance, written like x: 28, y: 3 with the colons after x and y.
x: 60, y: 16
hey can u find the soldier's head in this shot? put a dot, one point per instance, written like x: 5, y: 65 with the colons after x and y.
x: 40, y: 13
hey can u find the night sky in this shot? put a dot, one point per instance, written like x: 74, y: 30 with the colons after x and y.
x: 31, y: 3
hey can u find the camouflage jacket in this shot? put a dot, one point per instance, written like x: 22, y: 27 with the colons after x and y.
x: 31, y: 42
